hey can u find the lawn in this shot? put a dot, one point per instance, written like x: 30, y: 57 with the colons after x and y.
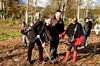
x: 8, y: 30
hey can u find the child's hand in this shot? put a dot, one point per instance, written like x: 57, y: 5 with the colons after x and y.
x: 63, y: 34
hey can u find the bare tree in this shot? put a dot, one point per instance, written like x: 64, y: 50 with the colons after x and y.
x: 10, y: 8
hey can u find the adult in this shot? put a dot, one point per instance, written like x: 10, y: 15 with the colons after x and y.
x: 87, y: 29
x: 36, y: 31
x: 56, y: 27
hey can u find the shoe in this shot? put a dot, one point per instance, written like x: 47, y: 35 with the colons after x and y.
x: 43, y: 62
x: 30, y: 62
x: 24, y: 45
x: 64, y: 61
x: 46, y: 59
x: 54, y: 61
x: 39, y: 61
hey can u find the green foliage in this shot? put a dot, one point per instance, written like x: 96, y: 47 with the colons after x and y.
x: 8, y: 35
x: 12, y: 9
x: 8, y: 30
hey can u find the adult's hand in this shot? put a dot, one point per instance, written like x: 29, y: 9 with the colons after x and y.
x: 38, y: 36
x: 43, y: 45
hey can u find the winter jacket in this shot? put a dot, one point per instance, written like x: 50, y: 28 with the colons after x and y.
x: 36, y: 29
x: 56, y: 27
x: 70, y: 30
x: 87, y: 28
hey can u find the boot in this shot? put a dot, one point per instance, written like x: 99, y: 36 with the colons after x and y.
x: 67, y: 56
x: 74, y: 56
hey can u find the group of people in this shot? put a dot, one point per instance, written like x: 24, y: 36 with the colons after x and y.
x: 51, y: 29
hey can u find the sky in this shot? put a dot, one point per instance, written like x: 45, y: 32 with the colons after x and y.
x: 40, y: 3
x: 93, y: 3
x: 44, y: 3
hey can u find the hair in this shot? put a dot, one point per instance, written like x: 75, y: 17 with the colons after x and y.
x: 59, y: 11
x: 48, y: 17
x: 38, y: 17
x: 24, y: 23
x: 76, y: 18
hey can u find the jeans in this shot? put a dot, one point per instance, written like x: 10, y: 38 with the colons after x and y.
x: 53, y: 48
x: 24, y: 40
x: 84, y: 40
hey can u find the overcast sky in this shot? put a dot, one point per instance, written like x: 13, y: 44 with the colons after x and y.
x: 93, y: 3
x: 44, y: 3
x: 41, y: 3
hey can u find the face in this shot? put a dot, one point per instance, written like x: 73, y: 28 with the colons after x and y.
x: 87, y: 20
x: 22, y: 24
x: 58, y: 15
x: 48, y: 21
x: 74, y: 20
x: 37, y: 15
x: 31, y: 24
x: 90, y: 19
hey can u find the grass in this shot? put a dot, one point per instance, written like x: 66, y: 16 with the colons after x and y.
x: 9, y: 35
x: 8, y: 30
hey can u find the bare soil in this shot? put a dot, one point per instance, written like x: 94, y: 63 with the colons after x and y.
x: 13, y: 53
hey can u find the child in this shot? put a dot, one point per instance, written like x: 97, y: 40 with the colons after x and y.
x: 23, y: 30
x: 74, y: 28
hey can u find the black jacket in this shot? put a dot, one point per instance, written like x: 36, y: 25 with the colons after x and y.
x: 60, y: 26
x: 56, y: 28
x: 37, y: 28
x: 87, y: 28
x: 70, y: 30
